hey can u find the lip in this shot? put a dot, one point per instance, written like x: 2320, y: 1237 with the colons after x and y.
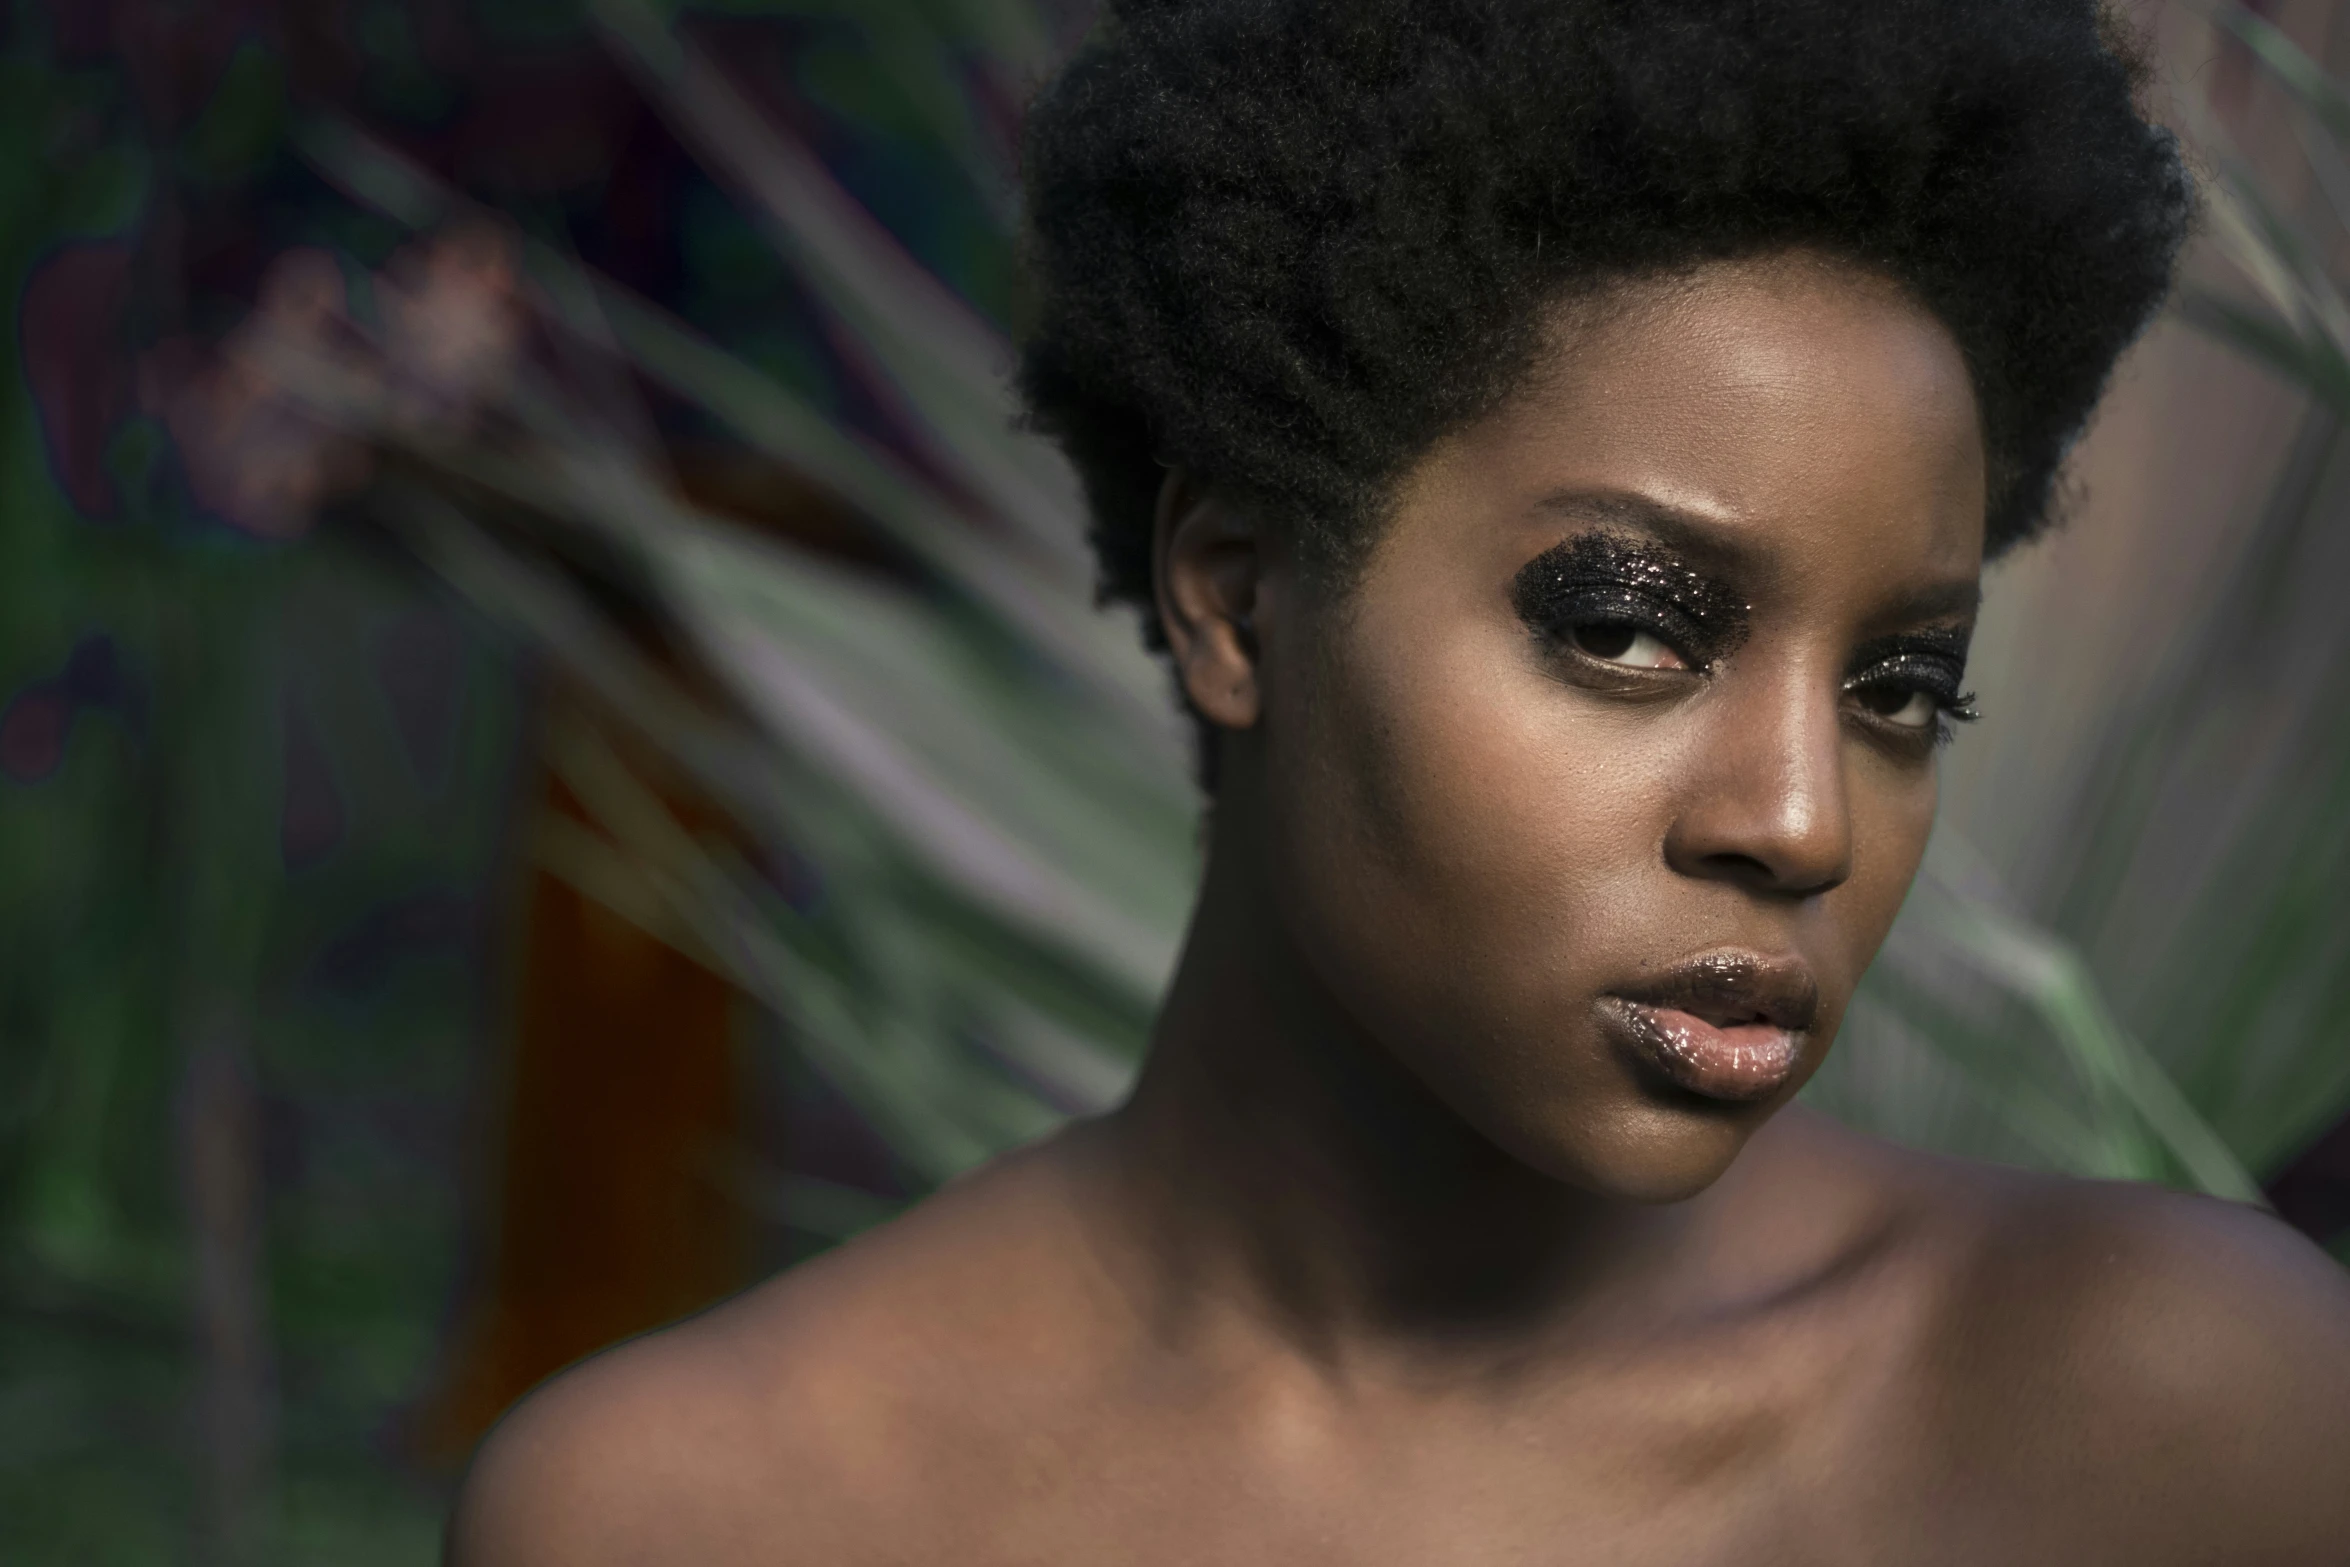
x: 1726, y: 1025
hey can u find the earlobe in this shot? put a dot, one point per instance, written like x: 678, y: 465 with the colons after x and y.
x: 1206, y: 571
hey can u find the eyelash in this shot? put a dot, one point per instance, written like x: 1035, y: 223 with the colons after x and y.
x: 1938, y: 681
x: 1930, y: 670
x: 1616, y: 606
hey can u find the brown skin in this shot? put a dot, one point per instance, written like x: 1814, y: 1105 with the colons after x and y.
x: 1397, y: 1255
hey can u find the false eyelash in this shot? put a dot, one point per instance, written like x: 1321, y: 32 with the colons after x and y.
x: 1609, y: 578
x: 1577, y: 605
x: 1961, y: 710
x: 1933, y: 670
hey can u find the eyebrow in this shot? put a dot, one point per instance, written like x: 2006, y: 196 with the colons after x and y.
x: 1938, y: 601
x: 1719, y: 548
x: 1704, y: 541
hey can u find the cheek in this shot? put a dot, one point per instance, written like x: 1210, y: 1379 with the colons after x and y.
x: 1892, y: 818
x: 1465, y: 851
x: 1456, y: 833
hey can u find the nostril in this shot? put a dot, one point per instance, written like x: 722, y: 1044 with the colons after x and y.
x: 1759, y: 875
x: 1740, y: 867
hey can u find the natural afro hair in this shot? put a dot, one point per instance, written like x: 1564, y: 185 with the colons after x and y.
x: 1290, y: 244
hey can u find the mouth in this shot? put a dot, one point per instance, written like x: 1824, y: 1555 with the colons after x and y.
x: 1728, y: 1026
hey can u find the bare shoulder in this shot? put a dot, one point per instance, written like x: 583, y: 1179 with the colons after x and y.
x: 2168, y: 1375
x: 789, y: 1424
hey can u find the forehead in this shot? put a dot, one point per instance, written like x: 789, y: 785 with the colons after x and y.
x: 1810, y: 412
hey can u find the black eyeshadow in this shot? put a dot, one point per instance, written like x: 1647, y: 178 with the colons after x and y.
x: 1603, y: 578
x: 1933, y: 658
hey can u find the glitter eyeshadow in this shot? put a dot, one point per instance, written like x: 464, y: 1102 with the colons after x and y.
x: 1604, y: 578
x: 1932, y: 660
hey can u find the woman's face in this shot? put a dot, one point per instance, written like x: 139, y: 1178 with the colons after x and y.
x: 1593, y: 795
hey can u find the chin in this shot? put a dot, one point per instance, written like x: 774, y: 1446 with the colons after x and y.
x: 1641, y: 1151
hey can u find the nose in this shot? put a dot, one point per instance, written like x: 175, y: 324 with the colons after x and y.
x: 1766, y: 804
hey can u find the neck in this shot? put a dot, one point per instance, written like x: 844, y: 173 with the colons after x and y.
x: 1280, y: 1160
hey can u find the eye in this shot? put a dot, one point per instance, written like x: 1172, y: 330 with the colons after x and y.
x: 1901, y: 707
x: 1615, y: 643
x: 1910, y: 686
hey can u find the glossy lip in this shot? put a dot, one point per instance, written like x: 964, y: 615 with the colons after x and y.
x: 1726, y: 1025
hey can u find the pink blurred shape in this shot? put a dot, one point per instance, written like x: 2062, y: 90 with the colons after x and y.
x: 77, y: 364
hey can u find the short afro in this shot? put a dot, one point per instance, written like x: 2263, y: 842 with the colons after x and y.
x: 1290, y: 244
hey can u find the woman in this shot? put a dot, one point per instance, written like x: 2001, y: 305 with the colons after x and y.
x: 1556, y: 443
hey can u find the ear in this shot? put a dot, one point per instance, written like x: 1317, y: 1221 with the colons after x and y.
x: 1206, y: 569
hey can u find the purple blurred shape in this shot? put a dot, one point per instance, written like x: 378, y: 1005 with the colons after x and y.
x: 432, y: 923
x: 33, y: 731
x: 39, y: 719
x: 93, y: 673
x: 77, y: 363
x: 311, y: 821
x: 420, y: 663
x: 81, y: 31
x: 2313, y: 1193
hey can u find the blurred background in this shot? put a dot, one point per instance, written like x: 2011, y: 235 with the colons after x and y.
x: 556, y: 757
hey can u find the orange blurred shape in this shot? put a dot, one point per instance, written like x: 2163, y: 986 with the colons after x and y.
x: 622, y: 1099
